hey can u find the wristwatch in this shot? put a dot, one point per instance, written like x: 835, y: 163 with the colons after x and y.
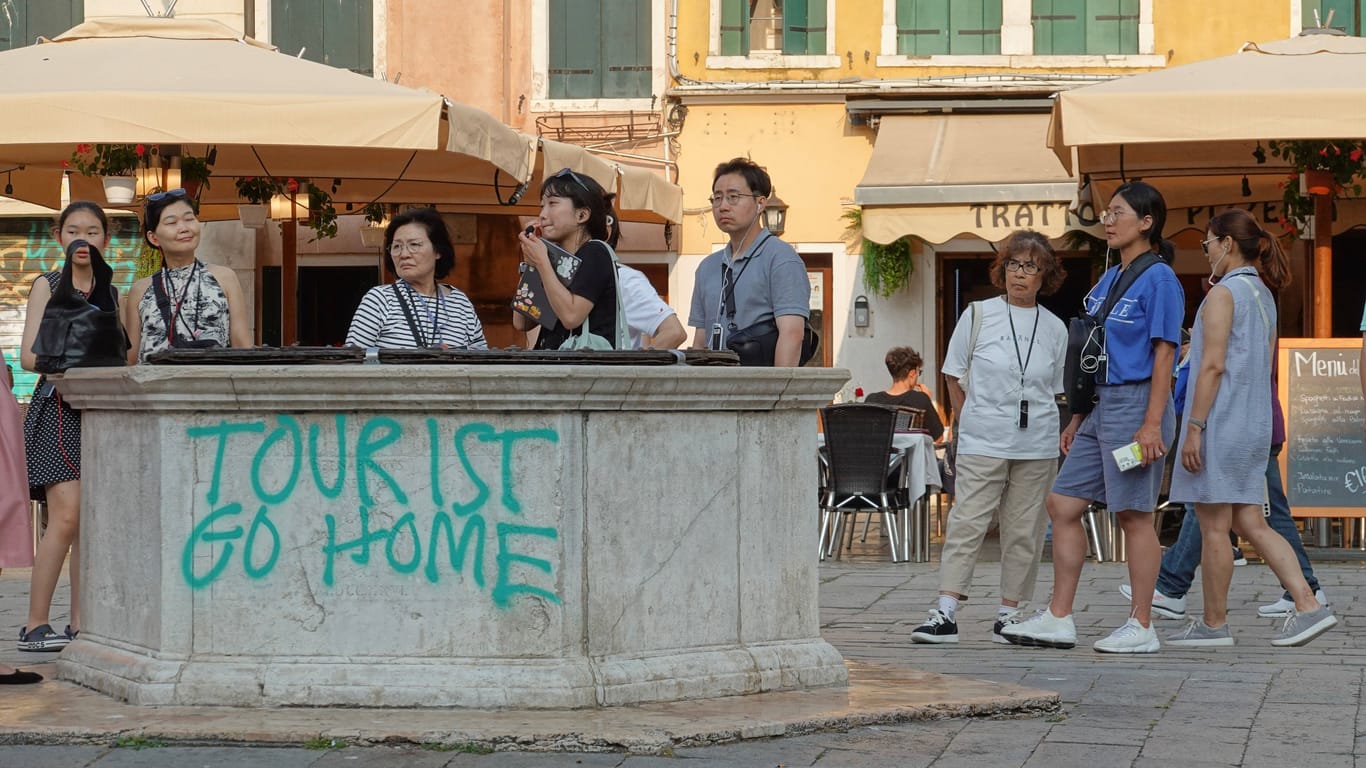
x: 1197, y: 423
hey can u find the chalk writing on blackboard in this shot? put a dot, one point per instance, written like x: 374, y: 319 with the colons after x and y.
x: 1325, y: 454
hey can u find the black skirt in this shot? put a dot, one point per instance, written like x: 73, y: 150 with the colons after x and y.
x: 52, y: 440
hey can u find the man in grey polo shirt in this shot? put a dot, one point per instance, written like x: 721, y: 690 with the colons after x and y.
x: 754, y: 281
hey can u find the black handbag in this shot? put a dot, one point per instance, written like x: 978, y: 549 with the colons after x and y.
x: 1086, y: 358
x: 758, y: 344
x: 77, y: 332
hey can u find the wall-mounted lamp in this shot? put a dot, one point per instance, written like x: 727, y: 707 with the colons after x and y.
x: 861, y: 318
x: 1247, y: 188
x: 775, y: 215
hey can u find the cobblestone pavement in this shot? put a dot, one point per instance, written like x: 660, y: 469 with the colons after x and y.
x: 1251, y: 705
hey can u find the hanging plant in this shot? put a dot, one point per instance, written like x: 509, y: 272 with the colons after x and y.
x: 886, y: 268
x: 109, y: 159
x: 1337, y: 164
x: 322, y: 214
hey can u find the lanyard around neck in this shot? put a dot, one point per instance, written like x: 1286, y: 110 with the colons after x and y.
x: 1023, y: 361
x: 433, y: 317
x: 727, y: 307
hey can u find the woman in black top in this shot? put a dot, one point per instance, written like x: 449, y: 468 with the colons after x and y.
x: 903, y: 363
x: 577, y: 216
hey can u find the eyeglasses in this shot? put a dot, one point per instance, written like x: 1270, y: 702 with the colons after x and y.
x: 412, y: 246
x: 568, y: 172
x: 729, y: 198
x: 1110, y: 217
x: 1204, y: 244
x: 177, y: 194
x: 1027, y: 267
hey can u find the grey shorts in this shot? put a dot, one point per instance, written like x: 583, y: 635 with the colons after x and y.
x: 1090, y: 471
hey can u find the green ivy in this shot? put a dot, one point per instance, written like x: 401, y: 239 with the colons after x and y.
x: 886, y: 268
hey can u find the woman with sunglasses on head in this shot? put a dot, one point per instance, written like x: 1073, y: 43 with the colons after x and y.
x: 52, y: 428
x: 1141, y: 333
x: 187, y: 303
x: 416, y: 311
x: 577, y: 216
x: 1223, y: 451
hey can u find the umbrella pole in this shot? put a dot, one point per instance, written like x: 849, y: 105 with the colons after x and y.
x: 289, y: 276
x: 1323, y: 266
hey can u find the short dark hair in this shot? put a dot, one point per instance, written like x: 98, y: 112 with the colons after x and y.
x: 1023, y: 241
x: 151, y: 212
x: 88, y: 207
x: 1146, y: 201
x: 584, y: 191
x: 901, y: 361
x: 431, y: 221
x: 754, y: 174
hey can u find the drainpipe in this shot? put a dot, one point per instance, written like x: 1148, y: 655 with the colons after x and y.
x: 249, y: 18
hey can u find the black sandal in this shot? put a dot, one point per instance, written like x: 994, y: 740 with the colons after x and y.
x: 20, y: 677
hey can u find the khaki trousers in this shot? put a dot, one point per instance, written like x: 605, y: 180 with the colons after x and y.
x: 1017, y: 489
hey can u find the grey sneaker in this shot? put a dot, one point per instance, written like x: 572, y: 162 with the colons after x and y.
x: 1198, y: 634
x: 1285, y: 606
x: 1300, y: 628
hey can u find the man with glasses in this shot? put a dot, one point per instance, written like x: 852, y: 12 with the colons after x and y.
x: 753, y: 295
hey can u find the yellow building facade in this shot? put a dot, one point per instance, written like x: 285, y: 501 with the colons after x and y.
x: 929, y: 117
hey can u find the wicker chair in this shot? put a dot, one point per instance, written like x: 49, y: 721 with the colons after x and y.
x: 864, y: 473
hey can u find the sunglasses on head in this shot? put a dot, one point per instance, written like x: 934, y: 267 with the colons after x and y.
x: 175, y: 194
x: 569, y: 172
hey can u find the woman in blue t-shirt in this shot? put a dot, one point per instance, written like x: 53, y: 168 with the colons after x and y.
x: 1135, y: 405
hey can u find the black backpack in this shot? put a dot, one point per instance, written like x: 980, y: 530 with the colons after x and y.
x: 1086, y: 358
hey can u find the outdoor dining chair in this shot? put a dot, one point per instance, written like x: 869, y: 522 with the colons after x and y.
x: 864, y: 475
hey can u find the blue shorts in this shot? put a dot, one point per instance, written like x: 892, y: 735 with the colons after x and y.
x: 1090, y: 471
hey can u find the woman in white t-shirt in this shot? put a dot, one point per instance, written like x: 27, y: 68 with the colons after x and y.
x: 1003, y: 385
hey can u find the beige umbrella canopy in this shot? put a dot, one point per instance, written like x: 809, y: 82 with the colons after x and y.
x: 1194, y: 130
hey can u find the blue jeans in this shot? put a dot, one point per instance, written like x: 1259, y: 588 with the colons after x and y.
x: 1181, y: 559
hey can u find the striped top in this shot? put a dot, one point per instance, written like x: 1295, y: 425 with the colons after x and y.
x: 449, y: 322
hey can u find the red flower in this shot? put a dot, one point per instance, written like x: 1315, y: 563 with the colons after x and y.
x: 292, y: 185
x: 1323, y: 152
x: 1355, y: 155
x: 858, y: 391
x: 65, y: 164
x: 140, y: 149
x: 82, y: 148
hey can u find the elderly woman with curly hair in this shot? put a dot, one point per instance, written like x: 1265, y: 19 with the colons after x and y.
x: 1004, y: 370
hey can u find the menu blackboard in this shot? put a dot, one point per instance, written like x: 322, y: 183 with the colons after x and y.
x: 1324, y: 461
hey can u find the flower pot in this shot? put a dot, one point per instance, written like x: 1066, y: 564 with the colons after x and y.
x: 372, y: 237
x: 119, y: 190
x: 253, y: 216
x: 1317, y: 182
x: 192, y: 188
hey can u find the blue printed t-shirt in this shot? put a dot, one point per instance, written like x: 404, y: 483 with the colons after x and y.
x: 1150, y: 310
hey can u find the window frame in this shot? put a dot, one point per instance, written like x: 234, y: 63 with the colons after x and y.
x: 830, y: 59
x: 265, y: 29
x: 1017, y: 45
x: 540, y: 68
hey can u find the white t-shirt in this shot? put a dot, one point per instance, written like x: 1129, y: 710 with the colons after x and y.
x: 644, y: 310
x: 989, y: 424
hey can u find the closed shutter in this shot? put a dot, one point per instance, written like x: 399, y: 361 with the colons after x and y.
x: 626, y: 49
x: 575, y: 49
x: 804, y: 27
x: 339, y: 33
x: 734, y: 28
x: 23, y: 21
x: 922, y: 27
x: 1345, y: 14
x: 975, y: 27
x: 1112, y: 26
x: 1059, y: 27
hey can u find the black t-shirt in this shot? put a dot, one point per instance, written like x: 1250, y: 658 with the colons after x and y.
x: 592, y: 278
x: 913, y: 399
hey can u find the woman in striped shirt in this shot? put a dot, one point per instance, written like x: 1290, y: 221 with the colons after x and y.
x: 417, y: 312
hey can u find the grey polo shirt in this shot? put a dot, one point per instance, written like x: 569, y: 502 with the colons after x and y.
x: 774, y: 284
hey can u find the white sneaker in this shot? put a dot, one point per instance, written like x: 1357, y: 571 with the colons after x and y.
x: 1285, y: 606
x: 1166, y: 607
x: 1132, y: 637
x: 1044, y: 630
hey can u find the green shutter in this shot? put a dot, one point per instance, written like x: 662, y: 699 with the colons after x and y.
x: 734, y: 28
x: 576, y: 70
x: 922, y: 27
x: 1112, y: 26
x: 975, y: 27
x: 338, y: 33
x: 817, y: 27
x: 794, y: 26
x: 23, y: 21
x: 1059, y: 27
x: 1344, y: 14
x: 626, y: 66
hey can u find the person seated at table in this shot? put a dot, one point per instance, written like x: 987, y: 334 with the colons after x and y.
x: 903, y: 363
x: 416, y: 311
x: 1003, y: 389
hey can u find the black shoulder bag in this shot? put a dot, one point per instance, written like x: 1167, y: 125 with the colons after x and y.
x: 757, y: 344
x: 418, y: 338
x: 1086, y: 358
x: 80, y: 333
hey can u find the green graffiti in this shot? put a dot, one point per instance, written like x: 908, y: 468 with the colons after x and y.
x: 504, y: 590
x: 288, y: 426
x: 258, y: 522
x: 328, y: 491
x: 472, y: 533
x: 222, y: 430
x: 201, y: 532
x: 366, y: 447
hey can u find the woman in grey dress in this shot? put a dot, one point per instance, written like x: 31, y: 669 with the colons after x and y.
x: 1222, y: 468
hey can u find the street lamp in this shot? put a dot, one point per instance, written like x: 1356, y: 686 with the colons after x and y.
x: 775, y: 215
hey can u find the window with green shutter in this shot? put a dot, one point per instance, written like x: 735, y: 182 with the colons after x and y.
x: 1085, y: 27
x: 600, y: 49
x: 1346, y: 14
x: 938, y: 27
x: 24, y: 21
x: 339, y: 33
x: 794, y: 27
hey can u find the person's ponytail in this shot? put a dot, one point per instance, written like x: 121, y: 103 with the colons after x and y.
x: 1273, y: 264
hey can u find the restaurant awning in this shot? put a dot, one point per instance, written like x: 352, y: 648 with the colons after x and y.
x: 939, y: 176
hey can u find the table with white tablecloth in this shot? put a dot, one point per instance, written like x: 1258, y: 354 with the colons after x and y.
x: 922, y: 479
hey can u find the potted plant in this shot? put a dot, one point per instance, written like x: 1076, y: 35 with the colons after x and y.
x: 115, y: 164
x: 322, y: 214
x: 257, y: 191
x: 194, y: 174
x: 886, y: 268
x: 1321, y: 167
x: 372, y: 234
